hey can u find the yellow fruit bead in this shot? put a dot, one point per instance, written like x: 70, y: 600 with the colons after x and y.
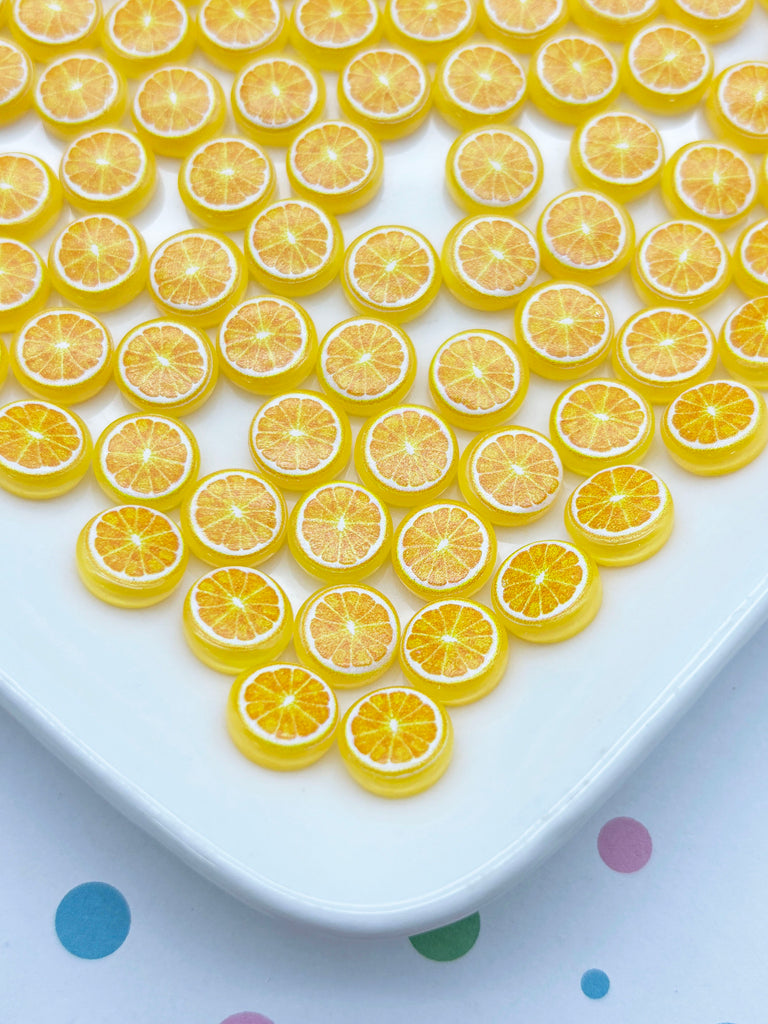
x: 4, y: 363
x: 299, y: 440
x: 479, y: 83
x: 621, y: 515
x: 78, y: 92
x: 16, y: 82
x: 681, y: 262
x: 146, y: 459
x: 666, y: 68
x: 478, y: 379
x: 444, y: 550
x: 511, y: 475
x: 267, y: 345
x: 396, y: 742
x: 337, y: 165
x: 711, y: 182
x: 348, y: 634
x: 233, y: 33
x: 547, y: 591
x: 455, y: 651
x: 274, y: 98
x: 282, y: 716
x: 366, y: 365
x: 57, y: 460
x: 600, y: 423
x: 715, y: 21
x: 197, y: 277
x: 613, y: 19
x: 26, y: 292
x: 564, y: 329
x: 521, y: 24
x: 391, y: 271
x: 340, y: 531
x: 63, y: 355
x: 330, y: 32
x: 750, y: 259
x: 407, y: 455
x: 236, y: 619
x: 489, y: 261
x: 663, y: 351
x: 572, y: 77
x: 234, y: 517
x: 108, y: 170
x: 386, y: 91
x: 744, y: 342
x: 164, y: 366
x: 140, y: 36
x: 737, y: 105
x: 430, y: 30
x: 293, y: 247
x: 598, y: 250
x: 30, y: 196
x: 617, y: 153
x: 177, y: 108
x: 715, y: 427
x: 98, y: 262
x: 131, y: 556
x: 46, y: 29
x: 494, y: 168
x: 226, y: 181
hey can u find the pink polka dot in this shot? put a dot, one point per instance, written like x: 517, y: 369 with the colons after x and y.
x: 247, y: 1018
x: 625, y: 845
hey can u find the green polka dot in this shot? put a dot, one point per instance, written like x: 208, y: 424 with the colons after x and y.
x: 448, y: 943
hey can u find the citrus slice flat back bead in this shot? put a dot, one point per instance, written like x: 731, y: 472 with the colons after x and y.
x: 387, y: 91
x: 234, y: 517
x: 744, y: 342
x: 585, y: 236
x: 232, y: 33
x: 141, y: 35
x: 477, y: 379
x: 613, y: 19
x: 572, y: 77
x: 430, y: 30
x: 407, y: 455
x: 710, y: 181
x: 44, y: 450
x: 522, y: 24
x: 444, y: 550
x: 47, y: 29
x: 293, y: 247
x: 340, y: 531
x: 737, y: 105
x: 682, y: 262
x: 494, y: 168
x: 489, y: 261
x: 366, y: 365
x: 64, y: 355
x: 396, y: 742
x: 274, y: 98
x: 237, y: 619
x: 347, y: 633
x: 282, y: 716
x: 77, y: 92
x: 225, y: 181
x: 479, y: 83
x: 600, y: 423
x: 110, y: 170
x: 197, y: 277
x: 330, y: 32
x: 547, y: 591
x: 511, y: 475
x: 300, y: 440
x: 714, y: 19
x: 24, y: 284
x: 16, y: 81
x: 619, y: 153
x: 337, y: 165
x: 30, y: 196
x: 454, y: 650
x: 267, y: 344
x: 666, y: 68
x: 715, y: 427
x: 391, y: 271
x: 620, y: 515
x: 750, y: 264
x: 177, y: 108
x: 164, y: 366
x: 98, y: 261
x: 565, y: 329
x: 663, y: 351
x: 147, y: 460
x: 131, y: 556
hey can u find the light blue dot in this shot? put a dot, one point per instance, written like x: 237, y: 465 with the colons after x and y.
x: 93, y: 920
x: 595, y: 984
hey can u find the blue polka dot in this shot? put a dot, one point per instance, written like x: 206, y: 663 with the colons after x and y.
x: 93, y: 920
x: 595, y: 984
